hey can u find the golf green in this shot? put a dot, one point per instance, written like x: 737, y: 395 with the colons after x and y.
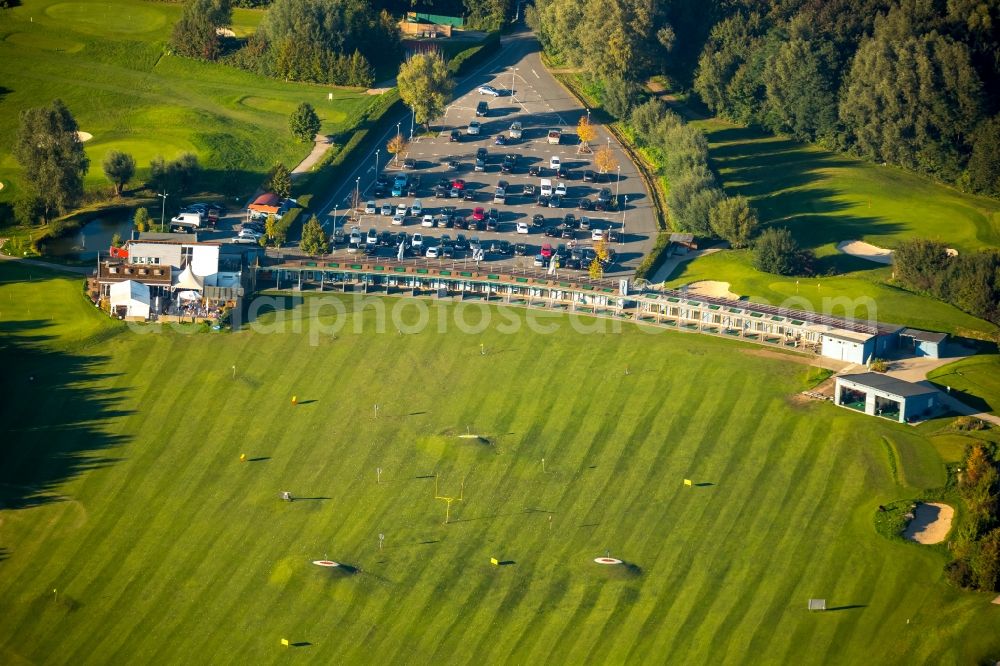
x: 133, y: 532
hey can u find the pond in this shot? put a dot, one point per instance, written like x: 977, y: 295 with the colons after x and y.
x: 87, y: 241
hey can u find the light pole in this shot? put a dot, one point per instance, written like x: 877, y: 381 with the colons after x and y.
x: 357, y: 193
x: 163, y: 208
x: 513, y: 75
x: 376, y: 162
x: 588, y: 116
x: 619, y: 181
x: 335, y: 227
x: 621, y: 241
x: 413, y: 117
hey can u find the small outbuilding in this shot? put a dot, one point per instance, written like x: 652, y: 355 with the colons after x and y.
x: 129, y: 298
x: 923, y: 343
x: 880, y: 395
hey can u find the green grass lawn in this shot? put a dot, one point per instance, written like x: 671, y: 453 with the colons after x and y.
x: 107, y: 61
x: 825, y: 198
x: 119, y: 470
x: 974, y: 380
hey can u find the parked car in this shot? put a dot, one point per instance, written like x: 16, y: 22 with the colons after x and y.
x: 516, y: 130
x: 482, y: 110
x: 460, y: 222
x: 534, y: 171
x: 478, y: 213
x: 447, y: 251
x: 488, y: 90
x: 413, y: 187
x: 398, y: 219
x: 455, y: 135
x: 569, y: 219
x: 545, y: 188
x: 540, y: 261
x: 555, y: 201
x: 417, y: 241
x: 530, y: 189
x: 417, y: 208
x: 409, y: 163
x: 543, y: 200
x: 460, y: 243
x: 523, y: 228
x: 596, y: 234
x: 458, y: 184
x: 432, y: 252
x: 372, y: 237
x: 384, y: 239
x: 604, y: 196
x: 442, y: 221
x: 588, y: 176
x: 427, y: 221
x: 386, y: 209
x: 520, y: 249
x: 499, y: 140
x: 249, y: 234
x: 555, y: 136
x: 538, y: 221
x: 502, y: 247
x: 468, y: 195
x: 482, y: 157
x: 584, y: 224
x: 554, y: 162
x: 508, y: 164
x: 401, y: 209
x: 546, y: 250
x: 561, y: 189
x: 585, y: 204
x: 370, y: 208
x: 473, y: 129
x: 566, y: 231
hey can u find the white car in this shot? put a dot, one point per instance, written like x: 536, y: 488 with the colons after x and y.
x: 522, y: 228
x: 516, y: 129
x: 432, y: 252
x: 249, y: 234
x: 417, y: 209
x: 401, y: 209
x: 554, y: 162
x: 488, y: 90
x: 397, y: 220
x: 473, y: 128
x: 372, y: 237
x: 427, y: 221
x: 387, y: 209
x: 561, y: 189
x: 596, y: 234
x: 545, y: 187
x: 370, y: 208
x: 417, y: 241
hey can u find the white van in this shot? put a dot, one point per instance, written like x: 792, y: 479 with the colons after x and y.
x: 189, y: 220
x: 546, y: 188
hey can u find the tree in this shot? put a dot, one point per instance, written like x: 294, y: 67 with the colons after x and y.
x: 141, y: 219
x: 28, y: 209
x: 304, y: 123
x: 777, y: 252
x: 620, y: 95
x: 596, y: 269
x: 196, y: 33
x: 275, y: 231
x: 983, y: 171
x: 976, y: 464
x: 50, y: 152
x: 280, y: 181
x: 733, y: 219
x: 646, y: 118
x: 691, y: 200
x: 396, y: 145
x: 116, y: 240
x: 314, y: 241
x: 425, y: 86
x: 586, y: 133
x: 800, y: 90
x: 605, y: 160
x: 177, y: 177
x: 119, y: 168
x: 921, y: 264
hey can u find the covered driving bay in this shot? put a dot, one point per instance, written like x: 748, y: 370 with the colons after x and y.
x: 880, y: 395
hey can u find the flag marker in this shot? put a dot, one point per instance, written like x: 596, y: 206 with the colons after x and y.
x: 687, y: 482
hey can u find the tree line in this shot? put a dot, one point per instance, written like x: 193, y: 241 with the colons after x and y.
x: 976, y: 547
x: 914, y: 83
x: 970, y: 281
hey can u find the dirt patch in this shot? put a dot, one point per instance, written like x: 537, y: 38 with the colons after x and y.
x: 711, y: 288
x: 951, y: 252
x: 930, y: 523
x: 84, y: 136
x: 867, y: 251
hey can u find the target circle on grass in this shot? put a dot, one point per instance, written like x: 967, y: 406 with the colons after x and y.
x: 325, y: 563
x: 607, y: 560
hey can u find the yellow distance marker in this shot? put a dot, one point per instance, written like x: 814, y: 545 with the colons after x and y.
x: 295, y: 400
x: 243, y: 457
x: 687, y: 482
x: 494, y: 561
x: 284, y: 641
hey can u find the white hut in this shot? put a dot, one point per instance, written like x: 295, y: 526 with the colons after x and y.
x: 130, y: 299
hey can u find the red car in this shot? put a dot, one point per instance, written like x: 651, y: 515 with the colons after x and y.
x: 458, y: 184
x: 478, y: 214
x: 546, y: 250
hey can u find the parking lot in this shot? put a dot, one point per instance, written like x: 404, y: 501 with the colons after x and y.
x: 532, y: 97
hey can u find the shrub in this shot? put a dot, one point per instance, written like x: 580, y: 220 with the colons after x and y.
x: 777, y: 252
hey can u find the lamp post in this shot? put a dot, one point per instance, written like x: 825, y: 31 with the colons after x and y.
x: 619, y: 181
x: 513, y: 76
x: 163, y: 208
x: 588, y: 116
x: 334, y: 228
x: 413, y: 118
x: 376, y: 162
x: 357, y: 194
x: 621, y: 241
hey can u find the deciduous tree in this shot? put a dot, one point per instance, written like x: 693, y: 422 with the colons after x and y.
x: 141, y: 219
x: 396, y: 146
x: 775, y: 251
x: 196, y: 33
x: 304, y: 123
x: 50, y: 152
x: 733, y: 219
x: 425, y: 86
x: 280, y: 181
x: 605, y: 160
x: 586, y: 132
x: 119, y: 168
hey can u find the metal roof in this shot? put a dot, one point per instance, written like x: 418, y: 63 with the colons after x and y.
x: 923, y: 336
x: 880, y: 382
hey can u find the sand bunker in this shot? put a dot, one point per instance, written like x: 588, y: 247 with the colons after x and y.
x: 712, y: 288
x: 865, y: 251
x: 951, y: 252
x: 1, y: 186
x: 930, y: 524
x: 84, y: 136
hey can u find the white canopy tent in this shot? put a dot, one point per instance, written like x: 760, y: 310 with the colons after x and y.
x: 133, y: 296
x: 188, y: 281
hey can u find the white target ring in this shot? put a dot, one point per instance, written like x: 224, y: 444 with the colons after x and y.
x: 607, y: 560
x: 325, y: 563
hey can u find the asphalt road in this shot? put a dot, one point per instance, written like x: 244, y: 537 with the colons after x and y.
x: 533, y: 97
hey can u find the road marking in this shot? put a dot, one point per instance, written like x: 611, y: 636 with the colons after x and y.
x: 536, y: 74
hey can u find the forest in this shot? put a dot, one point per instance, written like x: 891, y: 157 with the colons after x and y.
x: 912, y: 83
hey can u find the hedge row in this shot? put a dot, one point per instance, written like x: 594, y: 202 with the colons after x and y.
x: 464, y: 60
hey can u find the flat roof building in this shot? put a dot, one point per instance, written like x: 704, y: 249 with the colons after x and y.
x: 880, y: 395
